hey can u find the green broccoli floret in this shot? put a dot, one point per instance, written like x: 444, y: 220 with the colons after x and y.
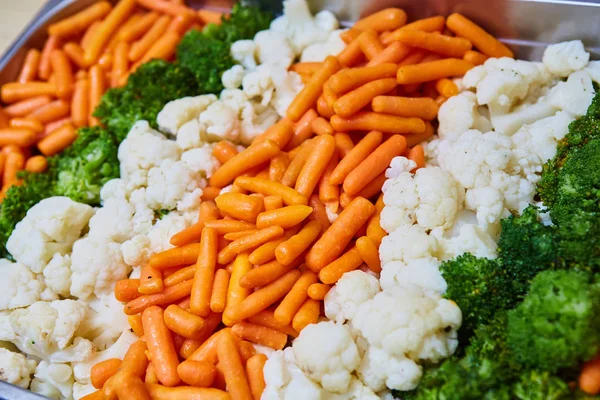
x: 558, y: 323
x: 87, y: 165
x: 147, y: 91
x: 537, y: 385
x: 207, y: 53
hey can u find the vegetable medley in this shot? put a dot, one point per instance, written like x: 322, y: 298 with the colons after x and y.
x: 267, y: 208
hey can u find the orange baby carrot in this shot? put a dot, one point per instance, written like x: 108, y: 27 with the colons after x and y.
x: 306, y: 315
x: 50, y: 112
x: 15, y: 161
x: 159, y: 392
x: 135, y: 322
x: 343, y: 144
x: 44, y: 66
x: 102, y: 371
x: 335, y: 239
x: 589, y: 378
x: 349, y: 79
x: 24, y: 123
x: 181, y: 23
x: 266, y: 318
x: 218, y: 298
x: 208, y: 212
x: 441, y: 44
x: 349, y: 35
x: 351, y: 55
x: 417, y: 154
x: 248, y: 242
x: 266, y: 252
x: 183, y: 322
x: 308, y: 68
x: 475, y: 57
x: 292, y: 302
x: 224, y: 151
x: 77, y: 23
x: 150, y: 280
x: 384, y: 20
x: 446, y: 87
x: 197, y: 373
x: 138, y: 28
x: 210, y: 193
x: 80, y: 103
x: 272, y: 202
x: 369, y: 44
x: 36, y: 164
x: 233, y: 370
x: 225, y: 226
x: 162, y: 49
x: 182, y: 274
x: 209, y: 16
x: 109, y: 25
x: 319, y: 212
x: 208, y: 349
x: 374, y: 230
x: 268, y: 188
x: 29, y: 70
x: 369, y: 253
x: 165, y: 7
x: 285, y: 217
x: 415, y: 57
x: 278, y: 166
x: 308, y: 96
x: 89, y: 33
x: 120, y: 63
x: 280, y: 133
x: 97, y: 88
x: 262, y: 298
x: 292, y: 248
x: 256, y: 379
x: 160, y: 346
x: 168, y: 296
x: 393, y: 53
x: 297, y: 163
x: 321, y: 126
x: 140, y: 47
x: 483, y: 41
x: 432, y: 70
x: 318, y: 291
x: 323, y: 150
x: 12, y: 92
x: 252, y: 157
x: 58, y: 140
x: 260, y: 335
x: 374, y: 164
x: 418, y: 107
x: 150, y: 374
x: 431, y: 24
x: 205, y: 272
x: 355, y: 156
x: 235, y: 292
x: 127, y: 289
x: 266, y: 273
x: 327, y: 191
x: 372, y: 121
x: 4, y: 119
x: 25, y: 107
x: 54, y: 125
x: 415, y: 139
x: 357, y: 99
x: 347, y: 262
x: 239, y: 206
x: 323, y: 108
x: 176, y: 257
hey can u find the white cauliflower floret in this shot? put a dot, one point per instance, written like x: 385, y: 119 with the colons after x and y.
x: 168, y: 183
x: 15, y: 368
x: 593, y: 68
x: 243, y: 51
x: 236, y: 99
x: 50, y: 226
x: 430, y: 197
x: 104, y: 321
x: 256, y: 118
x: 53, y: 380
x: 190, y: 134
x: 575, y: 95
x: 508, y: 124
x: 201, y: 160
x: 320, y: 50
x: 177, y: 112
x: 80, y: 350
x: 409, y: 242
x: 19, y: 287
x: 405, y: 322
x: 115, y: 188
x: 379, y: 370
x: 565, y: 58
x: 113, y: 221
x: 469, y: 239
x: 327, y: 353
x: 136, y: 251
x: 423, y: 273
x: 349, y: 292
x: 488, y: 203
x: 273, y: 48
x: 258, y: 84
x: 287, y: 86
x: 57, y: 274
x: 460, y: 113
x: 232, y: 78
x: 142, y: 149
x: 221, y: 122
x: 96, y: 266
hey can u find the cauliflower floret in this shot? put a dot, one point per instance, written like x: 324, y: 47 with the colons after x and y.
x: 508, y: 124
x: 190, y: 135
x: 287, y: 86
x: 221, y: 122
x: 488, y: 203
x: 136, y: 251
x: 19, y: 287
x: 272, y: 48
x: 423, y: 273
x: 258, y: 84
x: 349, y: 292
x: 80, y: 350
x: 50, y: 226
x: 201, y: 160
x: 410, y: 242
x: 104, y: 321
x: 469, y: 239
x: 177, y: 112
x: 243, y: 51
x: 460, y: 113
x: 15, y: 368
x: 113, y: 221
x: 232, y: 78
x: 168, y: 184
x: 405, y: 322
x: 256, y: 118
x: 57, y: 274
x: 430, y: 197
x: 327, y: 353
x: 53, y: 380
x: 320, y: 50
x: 379, y: 370
x: 96, y: 265
x: 565, y: 58
x: 575, y: 95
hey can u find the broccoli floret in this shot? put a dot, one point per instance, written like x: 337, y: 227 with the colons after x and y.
x: 537, y: 385
x: 87, y: 165
x: 558, y: 323
x: 147, y: 91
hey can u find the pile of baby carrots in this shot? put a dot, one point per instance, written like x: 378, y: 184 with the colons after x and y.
x: 59, y: 87
x: 264, y: 253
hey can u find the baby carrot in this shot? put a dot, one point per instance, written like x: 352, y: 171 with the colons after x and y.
x: 323, y: 108
x: 218, y: 298
x: 418, y: 107
x: 415, y: 139
x: 140, y: 47
x: 355, y: 156
x: 251, y: 157
x: 343, y: 144
x: 349, y: 79
x: 58, y: 140
x: 384, y: 20
x: 239, y: 206
x: 89, y: 33
x: 475, y: 57
x: 321, y: 126
x: 127, y: 289
x: 441, y: 44
x: 197, y: 373
x: 150, y: 280
x: 210, y: 193
x: 159, y: 392
x: 347, y: 262
x: 109, y: 25
x: 431, y: 24
x: 160, y: 346
x: 235, y: 292
x: 162, y: 49
x: 263, y: 298
x: 15, y: 161
x: 268, y: 188
x: 138, y: 28
x: 335, y: 239
x: 183, y: 322
x: 176, y: 257
x: 319, y: 212
x: 150, y: 374
x: 225, y: 226
x: 224, y: 151
x: 102, y: 371
x: 393, y: 53
x: 374, y: 164
x: 63, y: 72
x: 307, y: 314
x: 280, y: 133
x: 266, y: 252
x: 27, y: 106
x: 278, y: 166
x: 589, y: 378
x: 135, y: 322
x: 44, y: 66
x: 369, y: 253
x: 417, y: 154
x: 292, y: 301
x: 182, y: 274
x: 483, y: 41
x: 169, y: 295
x: 248, y: 242
x: 432, y: 70
x: 181, y: 23
x: 97, y: 88
x: 260, y: 335
x: 50, y: 112
x: 374, y: 230
x: 36, y: 164
x: 205, y: 271
x: 77, y: 23
x: 266, y: 318
x: 29, y: 70
x: 272, y: 202
x: 256, y: 379
x: 233, y: 370
x: 351, y: 55
x: 120, y: 63
x: 415, y: 57
x: 372, y: 121
x: 357, y: 99
x: 318, y: 291
x: 25, y: 123
x: 267, y: 273
x: 80, y: 103
x: 308, y: 96
x: 369, y: 44
x: 285, y: 217
x: 292, y: 248
x: 297, y: 163
x: 166, y: 7
x: 323, y: 150
x: 446, y: 87
x: 306, y: 67
x: 327, y: 191
x: 208, y: 212
x: 14, y: 91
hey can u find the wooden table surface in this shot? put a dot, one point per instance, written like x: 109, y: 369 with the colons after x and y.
x: 14, y: 16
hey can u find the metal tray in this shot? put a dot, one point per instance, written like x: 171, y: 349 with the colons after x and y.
x: 526, y: 25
